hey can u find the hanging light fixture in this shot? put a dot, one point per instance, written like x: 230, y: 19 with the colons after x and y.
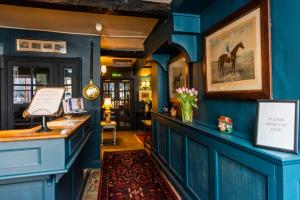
x: 103, y: 69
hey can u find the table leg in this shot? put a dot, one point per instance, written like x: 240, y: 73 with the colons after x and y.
x: 115, y: 136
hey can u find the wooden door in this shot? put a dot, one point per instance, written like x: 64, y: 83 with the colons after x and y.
x: 121, y: 94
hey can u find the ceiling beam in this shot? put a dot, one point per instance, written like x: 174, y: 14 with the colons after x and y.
x: 135, y: 8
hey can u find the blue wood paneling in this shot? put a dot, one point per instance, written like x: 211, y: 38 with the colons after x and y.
x: 154, y: 142
x: 31, y: 156
x: 176, y: 152
x: 222, y: 166
x: 163, y: 132
x: 238, y: 181
x: 20, y: 157
x: 186, y: 23
x: 33, y: 190
x: 198, y: 170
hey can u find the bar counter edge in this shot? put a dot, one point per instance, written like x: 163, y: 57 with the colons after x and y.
x: 41, y: 166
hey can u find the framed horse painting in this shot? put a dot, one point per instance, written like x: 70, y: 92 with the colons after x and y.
x: 237, y: 55
x: 178, y: 76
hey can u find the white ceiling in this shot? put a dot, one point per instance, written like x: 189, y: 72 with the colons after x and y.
x: 119, y: 32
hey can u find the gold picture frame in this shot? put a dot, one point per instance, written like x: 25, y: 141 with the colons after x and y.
x: 236, y: 61
x: 178, y: 75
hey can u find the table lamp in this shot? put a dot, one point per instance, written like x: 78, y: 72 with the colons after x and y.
x: 107, y: 105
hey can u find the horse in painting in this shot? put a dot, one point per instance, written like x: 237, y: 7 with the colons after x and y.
x: 232, y: 59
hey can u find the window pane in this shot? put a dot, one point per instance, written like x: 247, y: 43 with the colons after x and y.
x: 105, y: 86
x: 68, y: 75
x: 41, y: 76
x: 112, y: 87
x: 127, y: 96
x: 22, y: 87
x: 121, y: 86
x: 127, y: 86
x: 121, y: 95
x: 68, y: 92
x: 112, y: 95
x: 21, y: 96
x: 21, y: 75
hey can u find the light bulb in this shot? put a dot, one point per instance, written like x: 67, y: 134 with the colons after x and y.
x: 103, y: 69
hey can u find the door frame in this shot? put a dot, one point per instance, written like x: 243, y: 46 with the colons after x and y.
x: 118, y: 80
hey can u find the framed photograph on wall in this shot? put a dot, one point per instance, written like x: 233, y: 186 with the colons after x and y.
x: 277, y: 125
x: 41, y: 46
x: 144, y: 95
x: 178, y: 76
x: 237, y: 55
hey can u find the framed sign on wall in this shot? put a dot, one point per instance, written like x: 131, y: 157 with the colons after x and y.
x: 41, y: 46
x: 237, y: 55
x: 277, y: 125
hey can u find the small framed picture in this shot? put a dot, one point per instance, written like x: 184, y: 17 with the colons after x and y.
x: 144, y: 95
x: 178, y: 76
x: 73, y: 105
x: 277, y: 125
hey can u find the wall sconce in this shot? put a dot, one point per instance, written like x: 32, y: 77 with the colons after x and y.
x: 103, y: 69
x: 145, y: 84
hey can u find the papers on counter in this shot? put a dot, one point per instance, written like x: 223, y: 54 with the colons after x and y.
x: 46, y: 102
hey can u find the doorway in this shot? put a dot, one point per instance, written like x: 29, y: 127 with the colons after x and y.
x: 121, y: 94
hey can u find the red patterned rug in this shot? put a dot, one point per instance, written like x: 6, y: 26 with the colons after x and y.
x: 132, y: 175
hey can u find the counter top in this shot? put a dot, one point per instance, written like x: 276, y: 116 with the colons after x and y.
x: 61, y: 128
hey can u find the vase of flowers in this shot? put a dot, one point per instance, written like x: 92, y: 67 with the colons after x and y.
x: 188, y: 100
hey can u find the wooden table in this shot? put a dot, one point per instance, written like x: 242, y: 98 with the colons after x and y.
x: 109, y: 125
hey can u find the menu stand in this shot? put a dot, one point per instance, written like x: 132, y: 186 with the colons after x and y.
x: 45, y: 103
x: 44, y: 127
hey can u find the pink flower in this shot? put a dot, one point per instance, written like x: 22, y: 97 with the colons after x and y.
x: 179, y: 90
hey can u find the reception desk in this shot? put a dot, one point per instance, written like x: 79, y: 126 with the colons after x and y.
x: 203, y: 163
x: 44, y: 166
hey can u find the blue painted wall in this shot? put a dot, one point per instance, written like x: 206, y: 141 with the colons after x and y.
x: 285, y: 62
x: 285, y: 48
x: 77, y: 46
x: 242, y: 112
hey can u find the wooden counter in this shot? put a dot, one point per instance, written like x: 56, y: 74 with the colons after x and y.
x: 61, y: 128
x: 49, y: 166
